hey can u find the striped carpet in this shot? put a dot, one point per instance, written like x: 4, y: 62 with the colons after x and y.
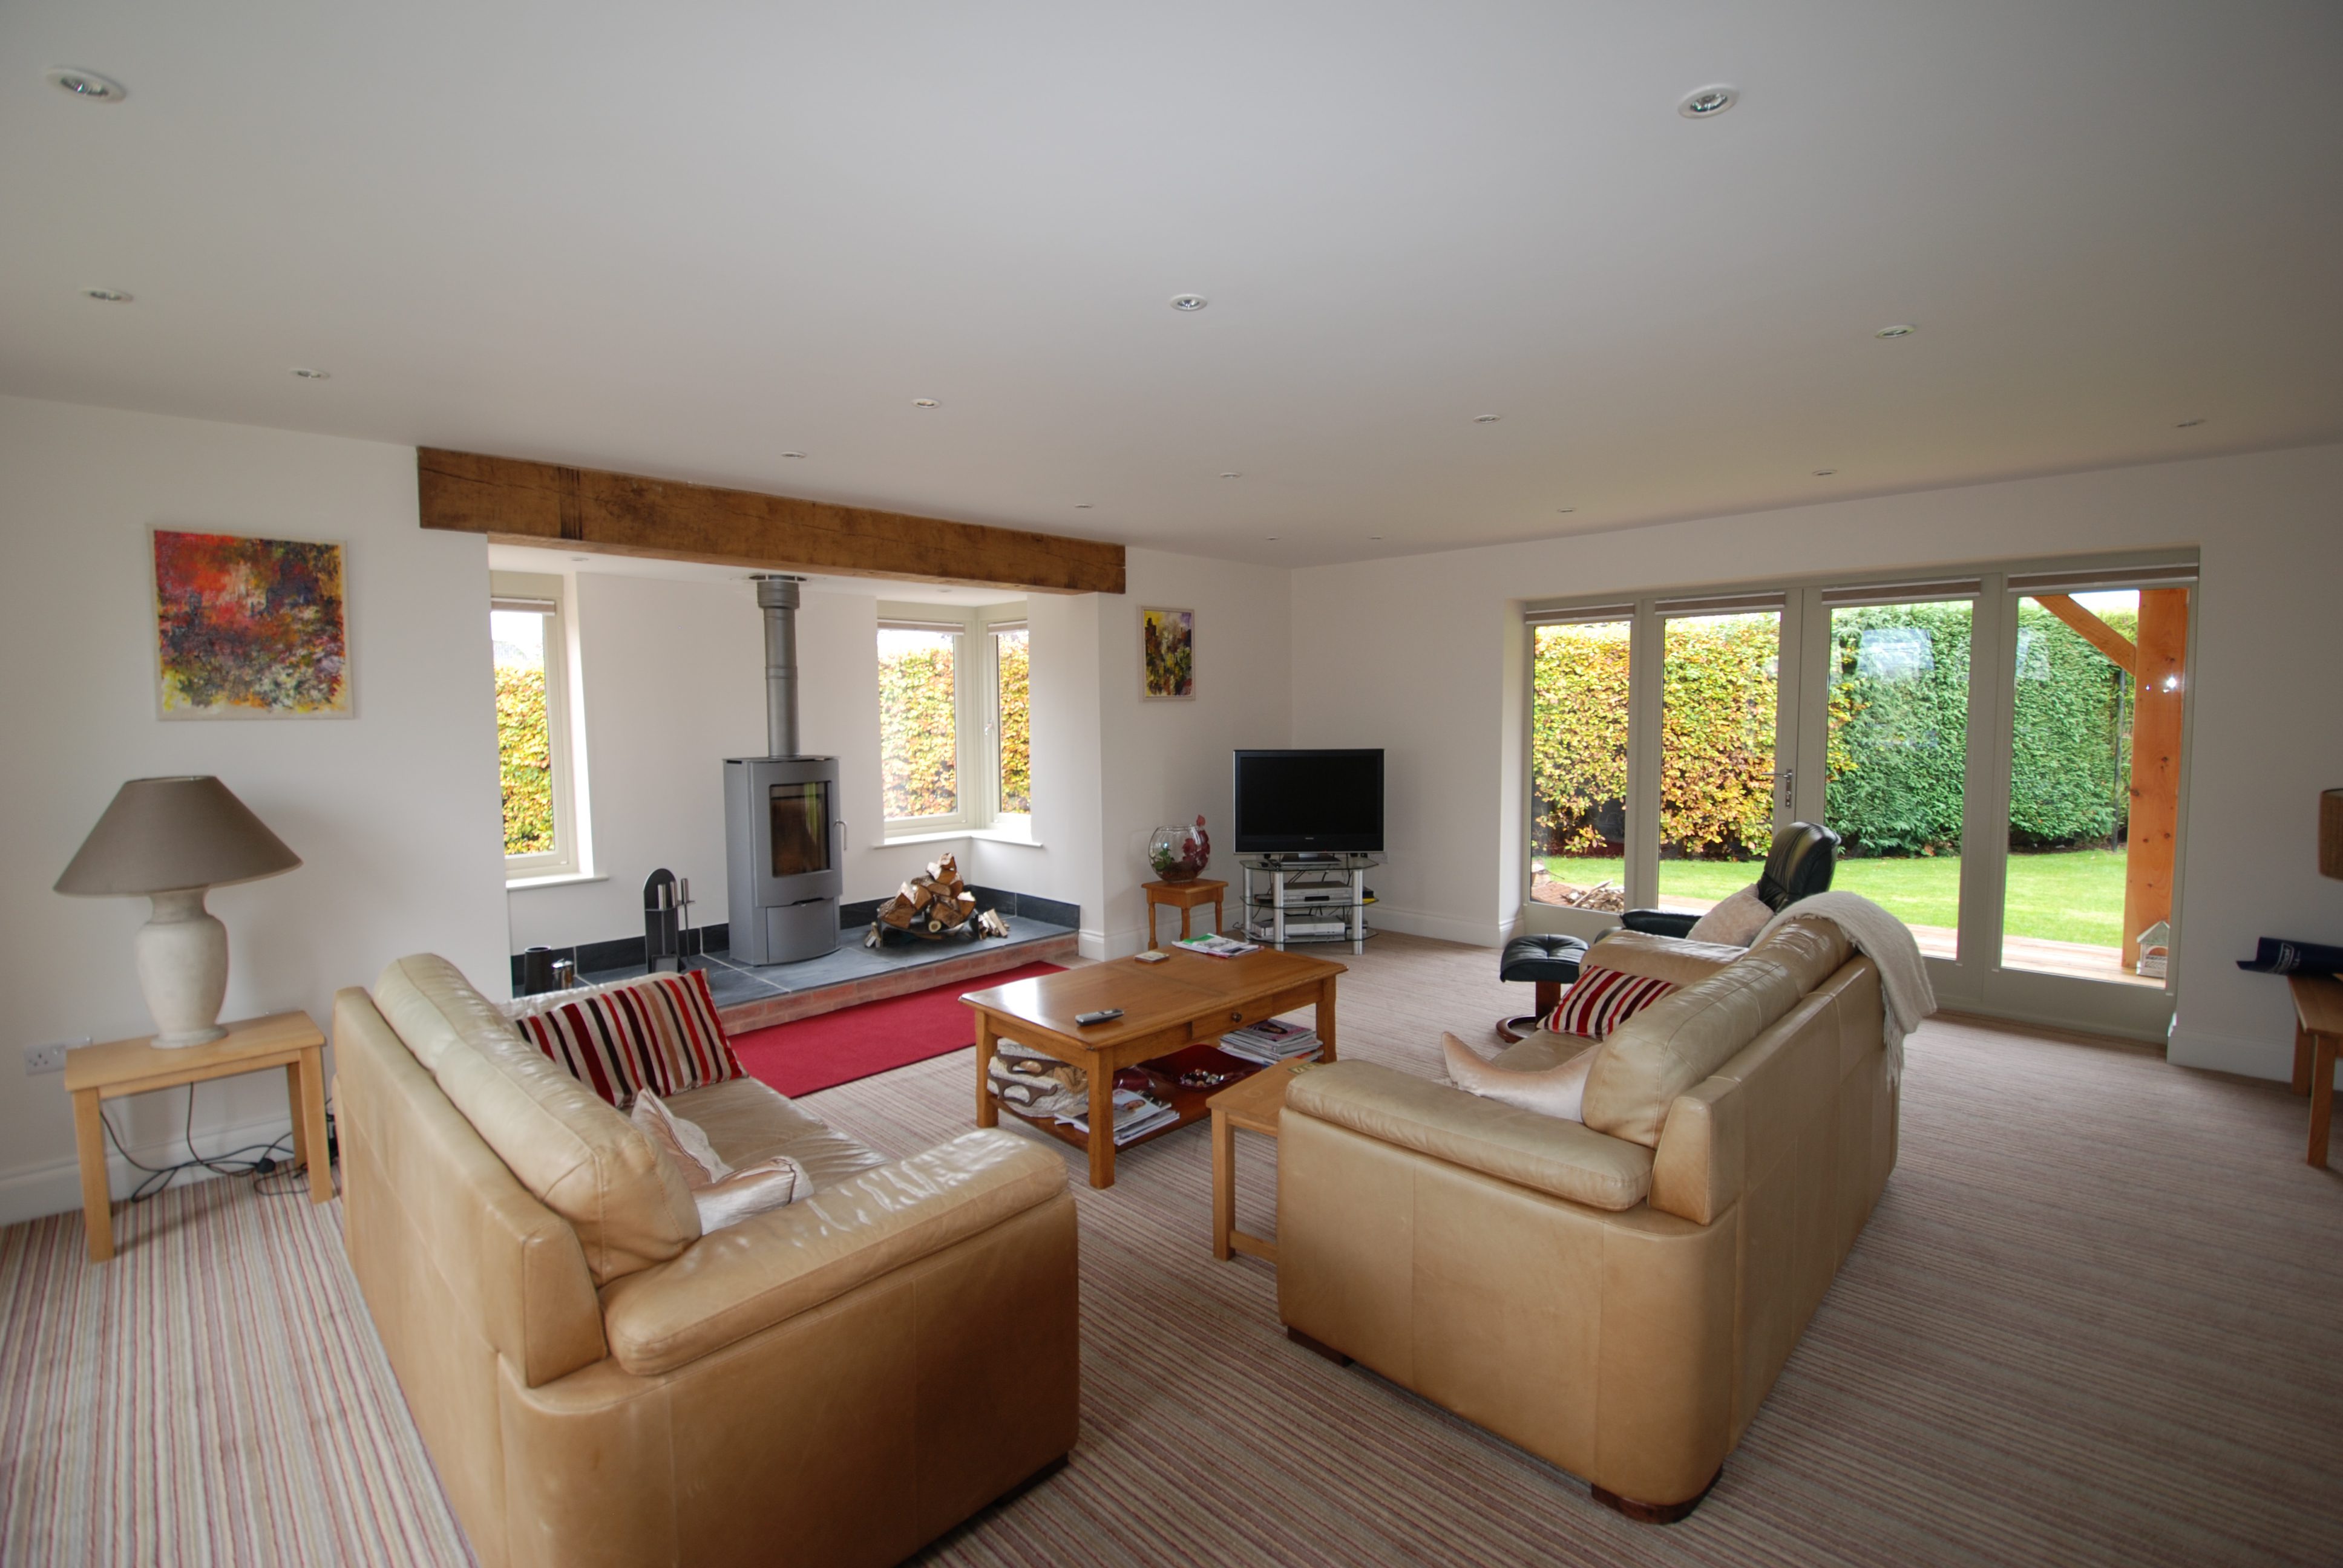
x: 2093, y: 1322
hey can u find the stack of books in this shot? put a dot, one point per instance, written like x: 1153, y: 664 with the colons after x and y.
x: 1135, y: 1116
x: 1270, y: 1042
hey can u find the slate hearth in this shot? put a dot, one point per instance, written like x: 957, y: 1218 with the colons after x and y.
x: 752, y: 996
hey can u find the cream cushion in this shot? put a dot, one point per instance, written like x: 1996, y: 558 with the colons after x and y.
x: 1735, y: 922
x: 723, y: 1195
x: 1557, y: 1090
x: 630, y: 1204
x: 1681, y: 1039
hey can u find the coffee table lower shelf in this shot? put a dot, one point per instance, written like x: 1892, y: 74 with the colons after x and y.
x: 1189, y: 1105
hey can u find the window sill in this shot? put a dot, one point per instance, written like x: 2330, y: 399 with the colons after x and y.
x: 558, y: 880
x: 990, y: 835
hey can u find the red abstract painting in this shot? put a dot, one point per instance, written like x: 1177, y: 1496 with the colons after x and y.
x: 249, y: 628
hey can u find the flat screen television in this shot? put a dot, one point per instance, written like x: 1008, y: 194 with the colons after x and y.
x: 1309, y: 802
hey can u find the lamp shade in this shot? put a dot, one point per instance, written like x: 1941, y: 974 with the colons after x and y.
x: 161, y: 834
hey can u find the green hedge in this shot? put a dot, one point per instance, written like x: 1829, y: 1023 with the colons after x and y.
x: 1898, y: 735
x: 919, y: 737
x: 524, y: 759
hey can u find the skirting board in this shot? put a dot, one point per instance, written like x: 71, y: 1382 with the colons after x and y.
x: 2270, y: 1059
x: 1441, y: 927
x: 56, y: 1188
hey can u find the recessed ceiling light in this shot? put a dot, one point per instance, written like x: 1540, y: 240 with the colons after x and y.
x: 793, y: 454
x: 923, y: 402
x: 1270, y: 538
x: 1486, y: 419
x: 1565, y: 508
x: 943, y: 590
x: 2189, y: 423
x: 88, y: 85
x: 111, y: 295
x: 1707, y: 103
x: 581, y: 558
x: 1232, y: 475
x: 1082, y: 506
x: 1901, y: 329
x: 307, y: 374
x: 1189, y: 302
x: 1375, y: 538
x: 1824, y: 473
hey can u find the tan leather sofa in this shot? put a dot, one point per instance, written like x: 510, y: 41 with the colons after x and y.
x: 836, y: 1381
x: 1618, y: 1297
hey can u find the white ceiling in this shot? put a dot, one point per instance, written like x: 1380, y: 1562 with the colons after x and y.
x: 683, y: 239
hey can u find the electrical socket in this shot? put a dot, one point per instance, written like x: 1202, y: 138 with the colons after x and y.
x: 50, y: 1058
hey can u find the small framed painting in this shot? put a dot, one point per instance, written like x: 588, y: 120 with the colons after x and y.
x: 1168, y: 654
x: 249, y: 628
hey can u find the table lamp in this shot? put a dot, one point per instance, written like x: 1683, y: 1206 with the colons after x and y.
x: 170, y: 839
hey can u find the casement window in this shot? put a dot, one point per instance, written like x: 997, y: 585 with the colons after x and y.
x: 536, y: 756
x: 955, y: 734
x: 2001, y: 750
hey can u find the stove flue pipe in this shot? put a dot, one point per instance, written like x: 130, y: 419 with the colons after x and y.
x: 777, y: 598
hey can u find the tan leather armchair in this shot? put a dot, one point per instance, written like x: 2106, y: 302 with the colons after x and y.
x: 1616, y: 1296
x: 836, y: 1381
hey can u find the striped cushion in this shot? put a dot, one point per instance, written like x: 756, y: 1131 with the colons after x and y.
x: 658, y: 1032
x: 1602, y: 1000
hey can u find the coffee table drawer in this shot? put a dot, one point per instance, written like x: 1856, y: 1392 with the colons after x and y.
x: 1214, y: 1025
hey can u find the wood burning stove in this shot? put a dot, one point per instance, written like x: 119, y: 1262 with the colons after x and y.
x: 783, y: 841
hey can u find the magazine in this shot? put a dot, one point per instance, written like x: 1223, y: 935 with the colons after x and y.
x: 1219, y: 946
x: 1135, y: 1116
x: 1270, y: 1041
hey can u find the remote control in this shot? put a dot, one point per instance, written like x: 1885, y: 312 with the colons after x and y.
x: 1102, y: 1016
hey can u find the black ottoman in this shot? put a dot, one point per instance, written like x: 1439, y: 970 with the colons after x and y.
x: 1549, y: 963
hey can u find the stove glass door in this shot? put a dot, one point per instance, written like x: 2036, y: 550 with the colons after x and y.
x: 800, y: 828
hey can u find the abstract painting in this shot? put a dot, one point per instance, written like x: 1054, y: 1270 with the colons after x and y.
x: 249, y: 628
x: 1169, y: 652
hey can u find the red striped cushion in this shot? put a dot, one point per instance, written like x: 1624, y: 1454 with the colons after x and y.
x: 1602, y: 1000
x: 658, y: 1032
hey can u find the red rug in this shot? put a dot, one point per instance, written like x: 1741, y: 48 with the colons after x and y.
x: 835, y: 1048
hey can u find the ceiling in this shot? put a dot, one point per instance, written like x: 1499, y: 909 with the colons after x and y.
x: 688, y: 239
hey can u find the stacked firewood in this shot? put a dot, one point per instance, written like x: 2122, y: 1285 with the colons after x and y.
x: 936, y: 905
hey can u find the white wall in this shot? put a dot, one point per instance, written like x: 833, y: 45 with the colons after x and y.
x: 1164, y: 762
x: 673, y: 680
x: 1438, y: 686
x: 393, y: 812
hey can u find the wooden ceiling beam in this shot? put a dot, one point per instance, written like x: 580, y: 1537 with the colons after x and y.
x: 514, y: 501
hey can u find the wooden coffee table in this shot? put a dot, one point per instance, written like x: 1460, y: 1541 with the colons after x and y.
x: 1184, y: 1000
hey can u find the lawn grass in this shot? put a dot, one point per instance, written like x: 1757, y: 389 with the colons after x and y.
x: 2069, y: 896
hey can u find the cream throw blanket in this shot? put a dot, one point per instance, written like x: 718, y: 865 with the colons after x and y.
x: 1887, y: 942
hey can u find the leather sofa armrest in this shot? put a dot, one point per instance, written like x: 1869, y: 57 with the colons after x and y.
x: 1659, y: 922
x: 1564, y: 1158
x: 1696, y: 1173
x: 733, y: 1283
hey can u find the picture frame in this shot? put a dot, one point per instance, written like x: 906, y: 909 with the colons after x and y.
x: 249, y: 628
x: 1167, y: 655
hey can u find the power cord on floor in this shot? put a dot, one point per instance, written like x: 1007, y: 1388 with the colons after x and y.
x: 272, y: 1174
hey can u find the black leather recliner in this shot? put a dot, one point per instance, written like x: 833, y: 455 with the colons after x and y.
x: 1800, y: 867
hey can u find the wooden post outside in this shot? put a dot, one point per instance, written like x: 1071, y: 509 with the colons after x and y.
x: 2154, y: 764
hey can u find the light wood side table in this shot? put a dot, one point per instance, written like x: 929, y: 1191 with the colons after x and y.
x: 95, y: 1073
x: 1254, y: 1105
x: 1184, y: 897
x: 2318, y: 1030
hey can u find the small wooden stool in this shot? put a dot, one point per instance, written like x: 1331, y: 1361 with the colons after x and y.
x: 1184, y: 897
x: 1254, y: 1105
x: 2318, y: 1030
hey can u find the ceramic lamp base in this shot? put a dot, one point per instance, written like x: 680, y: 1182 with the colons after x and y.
x: 183, y: 970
